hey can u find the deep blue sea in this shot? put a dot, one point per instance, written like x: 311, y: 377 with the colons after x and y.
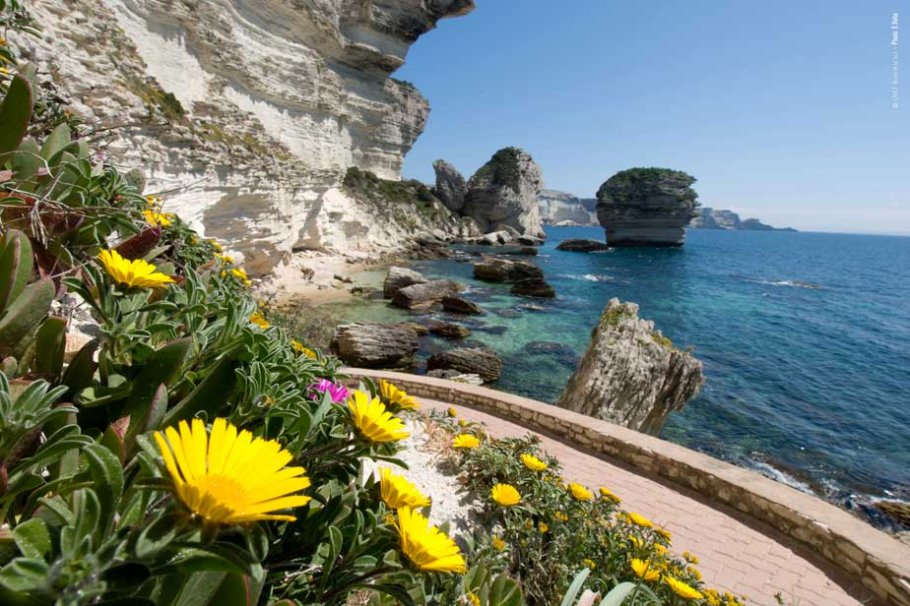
x: 805, y: 339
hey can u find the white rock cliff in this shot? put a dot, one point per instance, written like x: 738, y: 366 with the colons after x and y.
x: 247, y: 113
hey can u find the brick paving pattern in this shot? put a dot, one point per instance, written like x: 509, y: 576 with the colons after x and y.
x: 735, y: 556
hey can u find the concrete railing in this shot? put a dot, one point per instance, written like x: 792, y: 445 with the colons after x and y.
x: 878, y: 560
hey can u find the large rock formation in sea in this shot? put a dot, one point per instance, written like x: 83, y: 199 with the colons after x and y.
x: 502, y: 194
x: 501, y: 198
x: 646, y: 207
x: 250, y: 113
x: 561, y: 208
x: 631, y: 374
x: 716, y: 218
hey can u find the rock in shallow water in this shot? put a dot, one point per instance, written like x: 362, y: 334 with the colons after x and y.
x: 469, y: 360
x: 373, y: 345
x: 582, y: 245
x: 459, y: 305
x: 493, y: 269
x: 449, y: 330
x: 424, y: 295
x: 631, y: 375
x: 398, y: 278
x: 533, y: 287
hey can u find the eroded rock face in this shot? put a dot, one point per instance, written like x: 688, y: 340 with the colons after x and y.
x: 503, y: 193
x: 373, y: 345
x: 646, y: 207
x: 460, y: 305
x: 631, y: 375
x: 561, y: 208
x: 493, y: 269
x: 468, y: 360
x: 249, y: 110
x: 451, y: 187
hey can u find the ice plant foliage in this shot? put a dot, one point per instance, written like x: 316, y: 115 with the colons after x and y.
x: 132, y: 273
x: 427, y: 547
x: 398, y: 492
x: 373, y: 421
x: 231, y: 477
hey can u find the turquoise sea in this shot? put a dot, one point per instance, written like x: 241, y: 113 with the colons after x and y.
x: 805, y: 339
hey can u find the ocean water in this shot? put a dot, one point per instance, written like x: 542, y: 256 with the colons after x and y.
x: 805, y: 338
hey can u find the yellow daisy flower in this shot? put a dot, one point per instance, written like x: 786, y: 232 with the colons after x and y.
x: 473, y: 599
x: 396, y: 398
x: 240, y: 274
x: 259, y: 320
x: 452, y: 412
x: 690, y: 557
x: 640, y: 520
x: 580, y: 492
x: 561, y: 516
x: 609, y: 494
x: 132, y: 273
x: 230, y: 477
x: 505, y: 495
x: 373, y: 421
x: 532, y: 462
x: 589, y: 563
x: 664, y: 533
x: 498, y: 544
x: 216, y: 246
x: 465, y: 440
x: 682, y: 590
x: 225, y: 258
x: 157, y: 219
x: 427, y: 547
x: 643, y: 570
x: 398, y: 492
x: 303, y: 349
x: 543, y: 528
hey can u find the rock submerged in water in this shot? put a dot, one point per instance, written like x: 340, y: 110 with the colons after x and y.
x: 468, y: 360
x: 533, y: 287
x: 646, y: 207
x: 459, y: 305
x: 449, y: 330
x: 374, y: 345
x: 631, y: 374
x: 582, y: 245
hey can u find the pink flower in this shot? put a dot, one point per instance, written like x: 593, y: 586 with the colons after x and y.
x: 337, y: 391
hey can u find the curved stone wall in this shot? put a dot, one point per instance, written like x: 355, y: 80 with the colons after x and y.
x: 878, y: 560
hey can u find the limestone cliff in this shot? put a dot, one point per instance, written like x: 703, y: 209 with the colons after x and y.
x: 248, y: 112
x: 631, y: 374
x: 646, y: 207
x: 715, y: 218
x: 561, y: 208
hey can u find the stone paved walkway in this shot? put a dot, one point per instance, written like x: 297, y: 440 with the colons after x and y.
x: 737, y: 556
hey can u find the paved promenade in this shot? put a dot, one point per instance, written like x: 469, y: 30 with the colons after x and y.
x: 737, y: 556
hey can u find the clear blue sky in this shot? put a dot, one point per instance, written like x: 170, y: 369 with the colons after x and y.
x: 781, y: 109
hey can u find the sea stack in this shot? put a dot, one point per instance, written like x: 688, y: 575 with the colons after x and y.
x: 646, y: 207
x: 631, y: 374
x: 502, y: 194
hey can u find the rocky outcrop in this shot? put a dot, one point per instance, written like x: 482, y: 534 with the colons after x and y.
x: 459, y: 305
x: 250, y: 113
x: 715, y: 218
x: 646, y: 207
x: 468, y: 360
x: 631, y: 374
x: 533, y: 287
x: 451, y: 187
x: 454, y: 375
x: 427, y: 294
x: 494, y: 269
x: 398, y: 278
x: 582, y: 245
x: 561, y: 208
x: 370, y: 345
x: 503, y: 193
